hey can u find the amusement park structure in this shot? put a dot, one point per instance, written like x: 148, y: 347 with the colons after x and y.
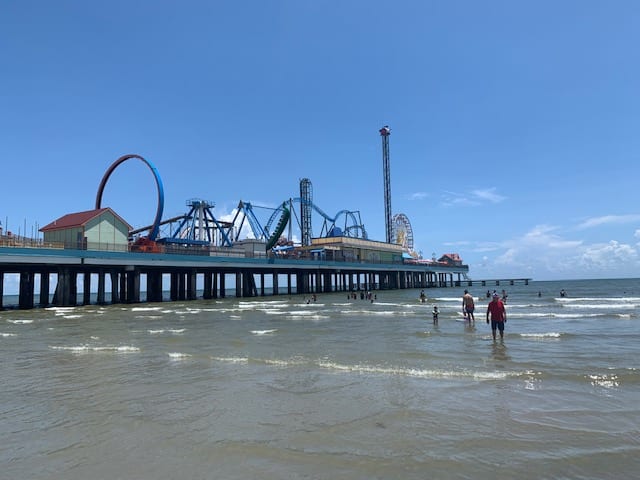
x: 280, y: 243
x: 384, y: 133
x: 286, y: 226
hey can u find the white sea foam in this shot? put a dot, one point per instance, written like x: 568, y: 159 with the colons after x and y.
x: 241, y: 360
x: 606, y: 381
x: 178, y: 355
x: 5, y: 335
x: 60, y: 309
x: 264, y: 332
x: 20, y: 322
x: 90, y: 349
x: 541, y: 335
x: 285, y: 363
x: 263, y: 304
x: 308, y: 317
x: 145, y: 309
x: 166, y: 330
x: 301, y: 312
x: 553, y: 315
x: 600, y: 306
x: 414, y: 372
x: 70, y: 317
x: 598, y: 299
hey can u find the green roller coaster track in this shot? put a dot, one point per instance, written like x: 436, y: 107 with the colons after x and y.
x: 282, y: 224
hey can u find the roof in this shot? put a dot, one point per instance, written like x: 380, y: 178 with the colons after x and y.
x: 454, y: 257
x: 79, y: 219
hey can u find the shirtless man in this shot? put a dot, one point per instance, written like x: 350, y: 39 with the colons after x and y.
x: 468, y: 306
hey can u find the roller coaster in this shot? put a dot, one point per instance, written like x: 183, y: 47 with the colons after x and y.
x: 285, y: 215
x: 199, y: 226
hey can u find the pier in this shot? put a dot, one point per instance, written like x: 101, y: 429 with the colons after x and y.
x: 68, y: 277
x: 498, y: 282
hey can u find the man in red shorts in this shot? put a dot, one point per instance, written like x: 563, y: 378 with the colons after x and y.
x: 498, y: 316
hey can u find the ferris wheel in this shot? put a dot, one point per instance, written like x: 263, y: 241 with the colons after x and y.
x: 402, y: 231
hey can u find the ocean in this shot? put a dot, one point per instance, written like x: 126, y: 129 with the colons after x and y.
x: 287, y: 388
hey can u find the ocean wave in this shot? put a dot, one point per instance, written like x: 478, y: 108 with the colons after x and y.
x: 145, y: 309
x: 20, y: 322
x: 447, y: 299
x: 607, y: 381
x: 384, y: 313
x: 167, y: 330
x: 556, y: 315
x: 300, y: 312
x: 292, y: 362
x: 387, y: 304
x: 374, y: 369
x: 415, y: 372
x: 264, y: 332
x: 599, y: 306
x: 542, y: 335
x: 262, y: 304
x: 240, y: 360
x: 308, y: 317
x: 5, y: 335
x: 90, y: 349
x: 178, y: 355
x: 598, y: 299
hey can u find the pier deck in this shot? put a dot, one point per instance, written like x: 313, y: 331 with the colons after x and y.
x: 72, y: 276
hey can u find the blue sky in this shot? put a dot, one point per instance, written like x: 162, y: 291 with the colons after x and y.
x: 514, y: 124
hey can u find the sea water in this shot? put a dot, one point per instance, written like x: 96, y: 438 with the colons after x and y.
x: 285, y: 387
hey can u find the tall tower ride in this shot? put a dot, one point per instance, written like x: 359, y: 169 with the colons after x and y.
x: 384, y: 133
x: 306, y: 197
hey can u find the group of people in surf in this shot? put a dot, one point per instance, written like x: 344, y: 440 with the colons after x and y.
x: 496, y: 311
x: 363, y: 296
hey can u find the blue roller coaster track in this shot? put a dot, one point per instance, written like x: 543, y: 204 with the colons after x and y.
x: 349, y: 226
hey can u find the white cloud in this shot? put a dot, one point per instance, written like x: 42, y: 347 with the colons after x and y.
x: 609, y: 256
x: 609, y: 220
x: 488, y: 195
x: 417, y: 196
x: 474, y: 199
x: 542, y: 253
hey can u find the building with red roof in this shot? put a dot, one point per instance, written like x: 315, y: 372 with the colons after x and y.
x: 99, y: 229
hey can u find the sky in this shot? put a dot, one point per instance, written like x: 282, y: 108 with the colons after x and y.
x: 514, y: 125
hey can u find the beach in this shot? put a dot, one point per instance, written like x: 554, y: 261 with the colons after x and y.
x: 275, y: 387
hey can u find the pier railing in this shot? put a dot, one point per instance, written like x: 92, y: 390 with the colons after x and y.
x: 194, y: 250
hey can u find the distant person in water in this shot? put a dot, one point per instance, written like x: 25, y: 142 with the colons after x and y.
x: 423, y: 297
x: 468, y: 306
x: 563, y: 293
x: 435, y: 314
x: 498, y: 314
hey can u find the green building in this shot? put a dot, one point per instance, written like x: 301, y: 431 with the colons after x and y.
x: 100, y: 229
